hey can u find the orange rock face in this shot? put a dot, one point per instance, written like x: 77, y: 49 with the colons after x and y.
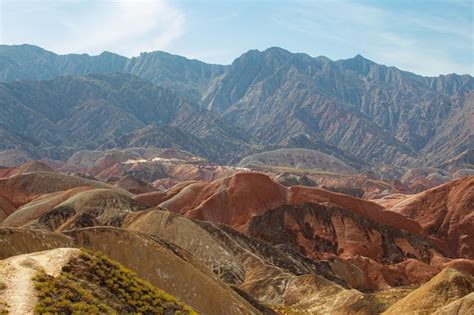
x: 134, y: 185
x: 391, y: 248
x: 231, y: 200
x: 445, y: 212
x: 153, y: 199
x: 23, y: 188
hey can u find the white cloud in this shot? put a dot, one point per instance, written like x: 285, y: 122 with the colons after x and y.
x: 123, y: 26
x: 422, y: 63
x: 414, y: 41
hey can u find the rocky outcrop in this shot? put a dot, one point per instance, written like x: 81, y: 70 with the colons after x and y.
x: 444, y: 212
x: 258, y: 268
x: 97, y: 108
x: 354, y: 109
x: 318, y: 223
x: 134, y: 185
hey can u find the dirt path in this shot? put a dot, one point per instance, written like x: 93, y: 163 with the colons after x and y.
x: 16, y: 273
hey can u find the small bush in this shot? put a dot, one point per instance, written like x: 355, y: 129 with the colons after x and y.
x: 93, y: 283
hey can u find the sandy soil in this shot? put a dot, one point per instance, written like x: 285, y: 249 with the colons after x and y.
x: 16, y: 273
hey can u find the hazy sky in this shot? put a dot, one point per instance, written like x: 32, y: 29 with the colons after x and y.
x: 425, y: 37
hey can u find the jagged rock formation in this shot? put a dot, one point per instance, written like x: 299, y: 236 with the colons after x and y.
x: 59, y: 117
x: 253, y: 266
x: 318, y: 223
x: 354, y: 109
x: 288, y: 179
x: 332, y: 252
x: 445, y: 212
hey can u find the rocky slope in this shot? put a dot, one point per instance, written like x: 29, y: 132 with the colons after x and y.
x: 167, y: 267
x: 367, y: 110
x: 302, y: 159
x: 353, y: 109
x: 282, y: 249
x: 47, y: 281
x: 58, y: 117
x: 449, y: 292
x: 318, y: 223
x: 23, y: 188
x: 445, y: 212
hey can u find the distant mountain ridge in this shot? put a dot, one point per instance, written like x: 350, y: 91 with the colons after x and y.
x: 59, y: 117
x: 370, y: 113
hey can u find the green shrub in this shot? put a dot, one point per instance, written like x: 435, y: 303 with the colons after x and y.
x: 86, y: 280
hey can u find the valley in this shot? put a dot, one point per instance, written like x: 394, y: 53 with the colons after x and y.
x: 278, y: 184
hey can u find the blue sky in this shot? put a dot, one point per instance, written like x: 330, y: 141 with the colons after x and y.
x: 425, y: 37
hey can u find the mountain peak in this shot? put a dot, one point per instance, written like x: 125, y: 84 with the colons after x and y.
x: 361, y: 59
x: 277, y: 50
x: 358, y: 63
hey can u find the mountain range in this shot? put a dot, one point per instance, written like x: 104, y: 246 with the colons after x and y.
x: 368, y: 115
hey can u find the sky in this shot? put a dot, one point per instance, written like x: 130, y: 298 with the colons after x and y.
x: 427, y: 37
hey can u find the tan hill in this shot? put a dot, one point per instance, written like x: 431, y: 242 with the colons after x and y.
x: 450, y: 290
x: 163, y: 265
x: 42, y: 204
x: 23, y: 188
x: 303, y: 159
x: 30, y: 166
x: 445, y: 212
x: 96, y: 207
x: 134, y: 185
x: 256, y: 267
x: 420, y: 179
x: 47, y: 282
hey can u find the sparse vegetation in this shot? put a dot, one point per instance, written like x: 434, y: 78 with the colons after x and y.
x: 3, y: 305
x: 93, y: 283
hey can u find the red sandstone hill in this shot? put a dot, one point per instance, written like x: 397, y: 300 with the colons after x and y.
x: 362, y: 245
x: 393, y: 249
x: 235, y: 199
x: 30, y: 166
x: 23, y: 188
x: 445, y: 212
